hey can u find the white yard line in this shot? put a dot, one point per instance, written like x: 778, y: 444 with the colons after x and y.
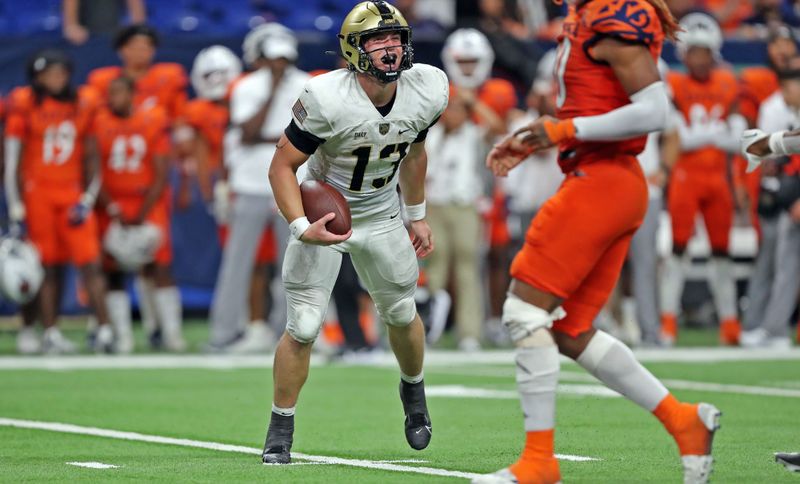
x: 156, y: 439
x: 386, y: 465
x: 461, y: 391
x: 93, y: 465
x: 433, y: 359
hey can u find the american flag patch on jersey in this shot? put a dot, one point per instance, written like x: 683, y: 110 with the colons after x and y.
x: 299, y: 111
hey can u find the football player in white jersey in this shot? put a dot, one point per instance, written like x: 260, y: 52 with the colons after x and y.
x: 362, y: 130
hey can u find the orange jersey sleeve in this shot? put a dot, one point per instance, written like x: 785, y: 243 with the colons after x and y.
x: 499, y: 95
x: 210, y: 120
x: 756, y: 84
x: 20, y: 103
x: 163, y: 85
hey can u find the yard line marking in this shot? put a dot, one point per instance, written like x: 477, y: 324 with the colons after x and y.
x: 93, y: 465
x: 461, y: 391
x: 156, y: 439
x: 585, y: 377
x: 313, y: 459
x: 433, y: 359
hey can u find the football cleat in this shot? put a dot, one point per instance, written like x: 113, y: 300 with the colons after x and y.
x: 277, y: 448
x: 790, y: 460
x: 505, y: 476
x: 418, y: 422
x: 697, y: 468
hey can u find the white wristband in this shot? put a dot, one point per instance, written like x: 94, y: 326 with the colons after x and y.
x: 415, y: 212
x: 776, y: 145
x: 299, y: 226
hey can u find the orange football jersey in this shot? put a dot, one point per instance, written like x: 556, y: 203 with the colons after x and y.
x: 127, y: 147
x: 52, y: 134
x: 499, y: 95
x: 756, y: 85
x: 210, y: 120
x: 717, y: 96
x: 163, y: 85
x: 587, y: 87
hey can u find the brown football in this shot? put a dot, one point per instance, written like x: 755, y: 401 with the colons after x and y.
x: 319, y: 199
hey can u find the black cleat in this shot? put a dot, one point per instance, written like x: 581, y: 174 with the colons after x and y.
x: 277, y: 448
x: 278, y: 454
x: 418, y: 422
x: 790, y: 460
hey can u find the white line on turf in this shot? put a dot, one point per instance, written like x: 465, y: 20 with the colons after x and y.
x: 433, y: 358
x: 93, y: 465
x: 157, y: 439
x: 461, y: 391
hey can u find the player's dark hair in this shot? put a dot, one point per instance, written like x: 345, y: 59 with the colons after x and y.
x: 42, y: 61
x: 127, y: 33
x: 126, y: 81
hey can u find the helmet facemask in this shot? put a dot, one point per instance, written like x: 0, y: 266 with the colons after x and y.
x: 365, y: 63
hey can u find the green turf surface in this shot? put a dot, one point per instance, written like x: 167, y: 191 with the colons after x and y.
x: 354, y: 412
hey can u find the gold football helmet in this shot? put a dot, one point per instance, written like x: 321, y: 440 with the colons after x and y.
x: 370, y: 18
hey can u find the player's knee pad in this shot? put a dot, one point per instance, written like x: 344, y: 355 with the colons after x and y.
x: 524, y: 319
x: 304, y: 323
x: 401, y: 313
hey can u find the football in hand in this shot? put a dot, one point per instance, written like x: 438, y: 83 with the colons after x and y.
x: 319, y: 199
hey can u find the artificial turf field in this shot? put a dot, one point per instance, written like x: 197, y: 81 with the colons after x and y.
x: 349, y: 421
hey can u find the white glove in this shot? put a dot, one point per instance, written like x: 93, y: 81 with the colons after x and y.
x: 749, y: 137
x: 221, y: 206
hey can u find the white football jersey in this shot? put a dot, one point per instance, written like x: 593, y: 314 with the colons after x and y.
x: 361, y: 149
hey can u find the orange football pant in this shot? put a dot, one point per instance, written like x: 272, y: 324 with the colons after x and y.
x: 578, y: 241
x: 700, y: 191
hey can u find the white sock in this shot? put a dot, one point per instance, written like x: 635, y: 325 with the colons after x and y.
x: 723, y: 287
x: 412, y: 379
x: 537, y: 377
x: 613, y: 363
x: 145, y: 291
x: 285, y: 412
x: 169, y: 311
x: 119, y: 312
x: 672, y: 283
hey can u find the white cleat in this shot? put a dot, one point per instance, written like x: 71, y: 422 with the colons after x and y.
x: 503, y: 476
x: 103, y: 339
x: 697, y: 468
x: 28, y: 342
x: 54, y: 342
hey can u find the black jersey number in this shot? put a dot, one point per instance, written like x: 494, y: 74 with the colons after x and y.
x: 362, y: 155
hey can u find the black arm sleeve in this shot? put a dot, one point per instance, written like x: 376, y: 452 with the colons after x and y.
x: 302, y: 140
x: 424, y: 133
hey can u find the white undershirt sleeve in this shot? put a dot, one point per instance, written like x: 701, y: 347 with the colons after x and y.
x: 647, y: 112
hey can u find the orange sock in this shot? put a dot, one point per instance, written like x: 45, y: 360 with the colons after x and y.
x: 682, y: 422
x: 537, y: 464
x: 669, y: 325
x: 729, y: 331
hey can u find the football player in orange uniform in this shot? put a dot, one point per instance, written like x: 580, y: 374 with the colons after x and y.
x: 709, y: 128
x: 132, y: 146
x: 163, y: 84
x: 46, y: 127
x: 609, y: 97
